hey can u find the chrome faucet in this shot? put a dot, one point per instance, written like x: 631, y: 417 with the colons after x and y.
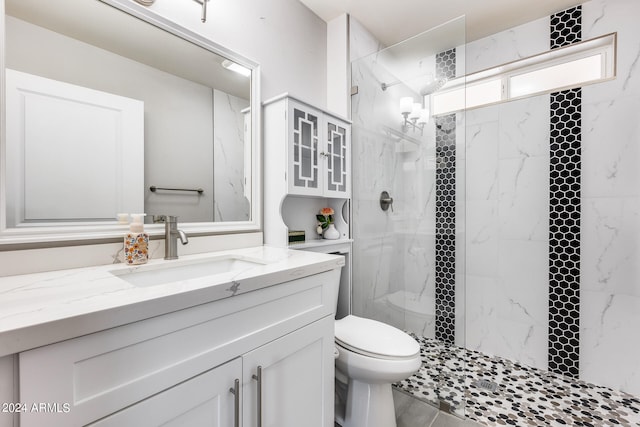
x: 171, y: 236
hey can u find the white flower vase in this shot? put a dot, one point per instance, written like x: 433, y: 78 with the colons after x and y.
x: 331, y: 233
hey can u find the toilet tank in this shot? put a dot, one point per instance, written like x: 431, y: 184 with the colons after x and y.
x: 343, y: 297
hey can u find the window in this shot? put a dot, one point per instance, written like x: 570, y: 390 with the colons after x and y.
x: 572, y: 66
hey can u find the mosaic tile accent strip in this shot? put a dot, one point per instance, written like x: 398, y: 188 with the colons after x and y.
x: 566, y: 27
x: 564, y: 210
x: 525, y: 396
x: 445, y: 211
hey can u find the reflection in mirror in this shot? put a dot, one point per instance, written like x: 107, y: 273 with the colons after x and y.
x: 101, y: 106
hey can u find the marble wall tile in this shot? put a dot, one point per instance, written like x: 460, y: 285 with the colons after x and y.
x: 524, y: 128
x: 611, y: 144
x: 610, y: 245
x: 362, y: 43
x: 482, y: 239
x: 482, y: 160
x: 600, y: 17
x: 519, y: 42
x: 481, y: 315
x: 610, y: 231
x: 230, y: 203
x: 609, y: 346
x: 507, y: 209
x: 524, y: 199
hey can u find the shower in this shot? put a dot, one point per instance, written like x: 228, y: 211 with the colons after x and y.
x: 508, y: 260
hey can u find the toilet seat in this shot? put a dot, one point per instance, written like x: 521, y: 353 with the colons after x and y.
x: 374, y: 339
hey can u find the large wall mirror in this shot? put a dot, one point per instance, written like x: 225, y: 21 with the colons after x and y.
x: 110, y: 108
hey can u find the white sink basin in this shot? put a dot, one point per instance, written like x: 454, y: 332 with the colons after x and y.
x: 177, y: 271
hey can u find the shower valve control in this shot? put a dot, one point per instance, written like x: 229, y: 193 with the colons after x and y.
x: 386, y: 201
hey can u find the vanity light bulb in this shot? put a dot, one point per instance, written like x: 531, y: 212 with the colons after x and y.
x: 415, y: 112
x: 424, y: 116
x: 406, y: 105
x: 232, y: 66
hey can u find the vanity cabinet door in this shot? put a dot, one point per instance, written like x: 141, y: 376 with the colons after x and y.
x: 206, y: 400
x: 289, y: 382
x: 305, y: 145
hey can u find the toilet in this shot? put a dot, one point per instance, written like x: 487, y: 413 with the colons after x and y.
x: 371, y: 356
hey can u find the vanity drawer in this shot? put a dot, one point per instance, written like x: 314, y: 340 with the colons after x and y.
x: 101, y: 373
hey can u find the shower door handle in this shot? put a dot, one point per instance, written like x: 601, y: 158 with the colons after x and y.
x: 386, y: 201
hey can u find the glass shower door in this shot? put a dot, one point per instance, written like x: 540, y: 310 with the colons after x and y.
x: 408, y: 260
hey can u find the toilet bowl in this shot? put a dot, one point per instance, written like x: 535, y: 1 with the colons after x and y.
x: 371, y: 356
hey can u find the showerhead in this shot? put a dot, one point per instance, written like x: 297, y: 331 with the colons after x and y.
x: 433, y: 86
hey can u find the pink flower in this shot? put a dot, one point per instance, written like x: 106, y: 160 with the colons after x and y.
x: 326, y: 211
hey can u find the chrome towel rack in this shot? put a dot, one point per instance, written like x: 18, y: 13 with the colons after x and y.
x: 153, y: 189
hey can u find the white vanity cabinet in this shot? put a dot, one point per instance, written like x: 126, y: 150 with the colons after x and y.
x: 309, y: 148
x: 266, y: 353
x: 205, y: 400
x: 291, y: 379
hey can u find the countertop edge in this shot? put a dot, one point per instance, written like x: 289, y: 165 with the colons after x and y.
x: 44, y: 333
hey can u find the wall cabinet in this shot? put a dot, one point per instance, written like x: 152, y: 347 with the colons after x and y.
x: 266, y: 355
x: 307, y: 155
x: 315, y: 145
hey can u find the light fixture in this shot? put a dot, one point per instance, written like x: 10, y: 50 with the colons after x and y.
x: 415, y: 116
x: 230, y: 65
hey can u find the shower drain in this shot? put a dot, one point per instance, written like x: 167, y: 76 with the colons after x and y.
x: 486, y: 384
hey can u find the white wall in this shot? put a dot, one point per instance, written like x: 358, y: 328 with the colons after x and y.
x: 338, y: 69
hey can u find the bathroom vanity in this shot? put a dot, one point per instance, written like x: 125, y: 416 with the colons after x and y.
x: 233, y: 338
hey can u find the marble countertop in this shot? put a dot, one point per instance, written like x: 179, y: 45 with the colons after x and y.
x: 43, y: 308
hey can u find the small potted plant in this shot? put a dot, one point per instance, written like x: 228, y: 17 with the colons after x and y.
x: 326, y: 227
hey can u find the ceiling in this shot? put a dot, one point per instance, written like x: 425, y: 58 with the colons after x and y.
x: 394, y: 21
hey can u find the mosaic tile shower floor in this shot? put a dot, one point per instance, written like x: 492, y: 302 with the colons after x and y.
x: 524, y: 396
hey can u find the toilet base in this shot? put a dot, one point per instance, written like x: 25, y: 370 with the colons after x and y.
x: 369, y: 405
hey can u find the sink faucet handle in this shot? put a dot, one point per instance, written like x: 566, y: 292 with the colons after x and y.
x: 171, y: 236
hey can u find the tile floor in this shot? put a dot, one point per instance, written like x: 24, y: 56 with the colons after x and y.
x: 496, y: 392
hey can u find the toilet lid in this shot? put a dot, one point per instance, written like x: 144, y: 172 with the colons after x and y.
x: 373, y: 338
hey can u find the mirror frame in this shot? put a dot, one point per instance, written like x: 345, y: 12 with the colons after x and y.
x: 88, y: 233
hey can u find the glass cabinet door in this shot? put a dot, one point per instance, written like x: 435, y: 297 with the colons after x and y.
x: 337, y: 158
x: 304, y: 151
